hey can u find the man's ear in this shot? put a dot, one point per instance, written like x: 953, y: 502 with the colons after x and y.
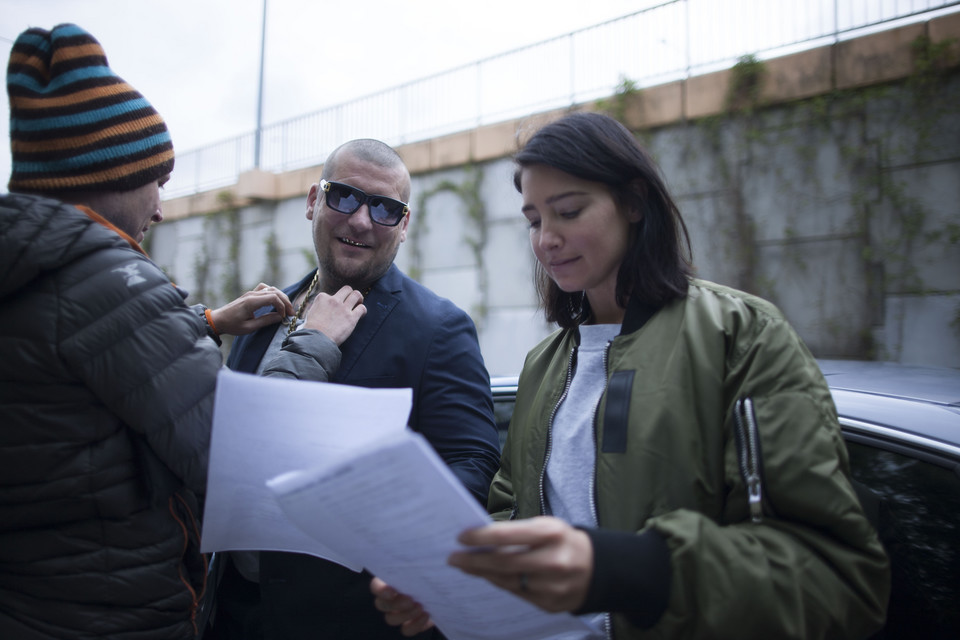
x: 312, y: 200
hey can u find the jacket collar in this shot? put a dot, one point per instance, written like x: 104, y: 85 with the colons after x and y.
x: 390, y: 282
x: 637, y: 315
x: 96, y: 217
x: 383, y: 297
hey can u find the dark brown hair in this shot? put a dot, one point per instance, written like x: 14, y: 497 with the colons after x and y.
x: 595, y: 147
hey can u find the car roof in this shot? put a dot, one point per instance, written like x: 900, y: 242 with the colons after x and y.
x: 912, y: 399
x: 938, y: 385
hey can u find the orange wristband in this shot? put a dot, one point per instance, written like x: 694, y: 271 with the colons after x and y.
x: 209, y: 316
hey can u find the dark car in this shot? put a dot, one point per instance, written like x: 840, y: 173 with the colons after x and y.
x: 901, y: 425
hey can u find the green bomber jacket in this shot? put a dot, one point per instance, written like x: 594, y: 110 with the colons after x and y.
x: 809, y: 565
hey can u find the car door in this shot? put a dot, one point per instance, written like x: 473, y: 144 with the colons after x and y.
x: 913, y: 498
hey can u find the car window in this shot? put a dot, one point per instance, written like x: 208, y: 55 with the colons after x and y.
x: 917, y: 514
x: 502, y: 410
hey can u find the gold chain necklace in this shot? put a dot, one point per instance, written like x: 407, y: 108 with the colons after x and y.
x: 295, y: 320
x: 292, y: 322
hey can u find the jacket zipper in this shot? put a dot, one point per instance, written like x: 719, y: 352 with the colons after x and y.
x: 596, y: 416
x: 553, y: 413
x: 748, y: 450
x: 607, y: 626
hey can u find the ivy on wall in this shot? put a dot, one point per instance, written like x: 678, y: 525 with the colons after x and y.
x: 468, y: 190
x: 746, y: 83
x: 616, y: 106
x: 872, y: 129
x: 271, y: 273
x: 866, y: 126
x: 221, y: 225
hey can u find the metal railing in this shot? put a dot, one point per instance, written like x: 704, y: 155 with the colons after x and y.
x: 673, y: 40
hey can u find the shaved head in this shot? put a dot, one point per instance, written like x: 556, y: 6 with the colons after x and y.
x: 367, y: 150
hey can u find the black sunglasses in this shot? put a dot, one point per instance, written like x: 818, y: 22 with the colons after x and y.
x: 346, y: 199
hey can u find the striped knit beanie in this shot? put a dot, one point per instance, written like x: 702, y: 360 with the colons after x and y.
x: 74, y: 124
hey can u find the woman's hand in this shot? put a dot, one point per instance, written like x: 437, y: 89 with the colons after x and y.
x: 399, y: 610
x: 543, y: 560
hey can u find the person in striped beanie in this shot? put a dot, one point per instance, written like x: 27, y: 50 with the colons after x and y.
x: 107, y: 377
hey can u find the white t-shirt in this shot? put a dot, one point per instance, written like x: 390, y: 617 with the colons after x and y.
x: 570, y: 476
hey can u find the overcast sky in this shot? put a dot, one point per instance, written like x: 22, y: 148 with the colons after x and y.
x: 198, y: 61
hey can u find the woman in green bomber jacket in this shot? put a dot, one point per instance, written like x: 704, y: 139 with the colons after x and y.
x: 674, y: 467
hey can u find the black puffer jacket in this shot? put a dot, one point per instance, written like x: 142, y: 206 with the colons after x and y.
x: 106, y: 396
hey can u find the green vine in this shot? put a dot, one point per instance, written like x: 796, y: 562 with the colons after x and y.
x: 616, y: 105
x: 230, y: 215
x: 742, y: 124
x: 201, y: 270
x: 272, y: 249
x: 224, y: 223
x: 469, y: 193
x: 892, y: 225
x: 746, y: 84
x: 931, y: 61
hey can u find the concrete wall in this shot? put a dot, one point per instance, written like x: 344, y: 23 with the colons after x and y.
x: 841, y: 207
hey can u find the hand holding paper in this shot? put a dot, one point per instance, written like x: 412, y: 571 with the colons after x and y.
x: 350, y: 484
x: 399, y: 510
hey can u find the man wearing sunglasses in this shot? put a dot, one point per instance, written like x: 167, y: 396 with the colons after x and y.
x: 404, y: 336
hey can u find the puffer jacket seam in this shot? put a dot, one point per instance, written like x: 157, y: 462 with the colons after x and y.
x: 31, y: 239
x: 138, y: 297
x: 180, y: 568
x: 163, y: 421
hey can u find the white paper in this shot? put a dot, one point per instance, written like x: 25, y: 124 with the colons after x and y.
x: 398, y: 512
x: 263, y: 427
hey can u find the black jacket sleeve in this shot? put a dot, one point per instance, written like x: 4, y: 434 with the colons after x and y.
x: 631, y: 575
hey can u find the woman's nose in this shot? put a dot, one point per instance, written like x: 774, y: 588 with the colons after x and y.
x: 549, y: 238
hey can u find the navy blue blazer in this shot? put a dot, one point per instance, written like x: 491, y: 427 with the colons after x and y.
x: 412, y: 338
